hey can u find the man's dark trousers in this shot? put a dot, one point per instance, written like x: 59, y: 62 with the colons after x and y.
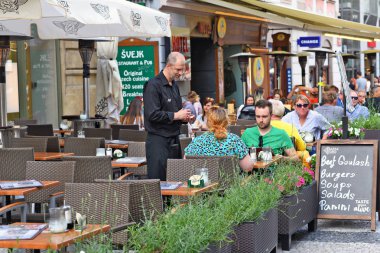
x: 158, y: 150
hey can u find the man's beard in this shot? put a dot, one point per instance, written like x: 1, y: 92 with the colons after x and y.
x: 263, y: 125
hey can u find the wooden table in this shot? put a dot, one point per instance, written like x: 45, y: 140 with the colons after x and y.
x: 119, y: 144
x: 8, y: 193
x: 183, y: 190
x: 47, y: 240
x: 48, y: 156
x: 264, y: 165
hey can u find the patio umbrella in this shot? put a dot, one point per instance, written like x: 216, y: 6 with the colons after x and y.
x: 109, y: 99
x: 80, y: 19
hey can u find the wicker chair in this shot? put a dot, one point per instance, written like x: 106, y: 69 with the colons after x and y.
x: 184, y: 142
x: 116, y: 128
x: 184, y: 129
x: 145, y: 198
x: 102, y: 203
x: 89, y: 168
x: 38, y: 144
x: 137, y: 149
x: 236, y: 129
x: 182, y: 169
x: 52, y: 142
x: 24, y: 122
x: 132, y: 135
x: 105, y: 133
x: 83, y: 146
x: 48, y: 171
x: 199, y: 133
x: 246, y: 122
x: 13, y: 162
x: 40, y: 130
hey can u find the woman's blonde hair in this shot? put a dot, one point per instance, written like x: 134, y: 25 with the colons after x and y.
x: 217, y: 122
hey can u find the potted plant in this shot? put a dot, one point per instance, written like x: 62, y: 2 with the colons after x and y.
x: 299, y: 204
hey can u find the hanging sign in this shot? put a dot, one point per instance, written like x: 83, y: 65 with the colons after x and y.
x: 138, y: 62
x: 309, y: 41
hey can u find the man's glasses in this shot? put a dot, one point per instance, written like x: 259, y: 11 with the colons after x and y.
x: 261, y: 144
x: 302, y: 105
x: 354, y: 98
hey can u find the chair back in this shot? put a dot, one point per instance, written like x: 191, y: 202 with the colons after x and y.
x: 102, y: 203
x: 52, y: 142
x: 40, y: 130
x: 182, y: 169
x: 184, y: 142
x: 38, y: 144
x: 246, y: 122
x: 79, y: 125
x: 137, y: 149
x: 236, y: 129
x: 24, y: 122
x: 116, y: 128
x: 132, y: 135
x: 105, y: 133
x: 13, y: 162
x: 199, y: 133
x: 89, y: 168
x: 48, y: 171
x: 145, y: 198
x: 184, y: 129
x: 83, y: 146
x: 228, y: 166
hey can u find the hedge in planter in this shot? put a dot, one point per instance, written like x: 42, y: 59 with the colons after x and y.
x: 299, y: 204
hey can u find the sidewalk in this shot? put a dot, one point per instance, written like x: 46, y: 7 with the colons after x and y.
x: 338, y: 236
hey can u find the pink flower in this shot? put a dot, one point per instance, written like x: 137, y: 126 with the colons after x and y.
x: 301, y: 181
x: 280, y: 188
x: 309, y: 171
x: 268, y: 180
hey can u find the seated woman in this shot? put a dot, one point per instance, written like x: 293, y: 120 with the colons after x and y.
x: 218, y: 142
x: 248, y: 108
x: 201, y: 120
x: 134, y: 114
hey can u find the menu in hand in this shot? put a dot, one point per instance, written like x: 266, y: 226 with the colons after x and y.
x: 20, y: 184
x: 21, y: 232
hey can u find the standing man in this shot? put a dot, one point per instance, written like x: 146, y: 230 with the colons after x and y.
x: 361, y: 82
x: 163, y: 115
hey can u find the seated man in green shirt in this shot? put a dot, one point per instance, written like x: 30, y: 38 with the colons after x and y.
x: 265, y: 135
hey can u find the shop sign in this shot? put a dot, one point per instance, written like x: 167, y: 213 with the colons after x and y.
x: 136, y: 66
x: 204, y: 28
x: 180, y: 44
x: 289, y: 79
x: 309, y: 41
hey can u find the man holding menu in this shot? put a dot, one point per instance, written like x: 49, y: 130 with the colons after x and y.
x: 265, y: 135
x: 163, y: 115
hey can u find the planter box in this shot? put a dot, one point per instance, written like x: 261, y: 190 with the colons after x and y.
x: 257, y: 236
x: 295, y: 211
x: 225, y: 247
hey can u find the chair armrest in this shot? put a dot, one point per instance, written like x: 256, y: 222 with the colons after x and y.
x: 123, y: 177
x: 122, y: 227
x: 23, y: 206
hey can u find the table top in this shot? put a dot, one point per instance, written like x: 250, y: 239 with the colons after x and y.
x: 116, y: 144
x: 61, y: 131
x: 48, y: 240
x: 47, y: 156
x: 183, y: 190
x: 25, y: 191
x: 129, y: 164
x: 264, y: 165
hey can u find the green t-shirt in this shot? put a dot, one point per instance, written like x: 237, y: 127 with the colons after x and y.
x: 276, y: 138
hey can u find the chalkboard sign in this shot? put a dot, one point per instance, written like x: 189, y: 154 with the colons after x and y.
x: 138, y: 62
x: 346, y: 173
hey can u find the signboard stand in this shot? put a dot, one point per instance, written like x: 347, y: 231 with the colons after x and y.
x: 346, y: 172
x: 138, y: 62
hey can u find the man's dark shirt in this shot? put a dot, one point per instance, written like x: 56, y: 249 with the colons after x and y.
x: 161, y: 100
x: 373, y: 103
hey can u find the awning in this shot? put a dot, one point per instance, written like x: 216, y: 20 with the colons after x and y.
x: 300, y: 19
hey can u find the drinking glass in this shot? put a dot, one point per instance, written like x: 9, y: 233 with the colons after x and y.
x: 252, y: 154
x: 81, y: 134
x: 203, y: 172
x: 267, y: 154
x: 57, y: 220
x: 83, y: 115
x: 100, y: 151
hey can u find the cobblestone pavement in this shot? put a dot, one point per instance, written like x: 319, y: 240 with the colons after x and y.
x: 337, y: 236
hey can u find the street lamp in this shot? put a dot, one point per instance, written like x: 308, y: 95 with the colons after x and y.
x: 371, y: 58
x: 279, y: 57
x: 320, y: 58
x: 243, y: 60
x: 302, y: 59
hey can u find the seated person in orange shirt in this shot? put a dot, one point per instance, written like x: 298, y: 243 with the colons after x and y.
x: 310, y: 93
